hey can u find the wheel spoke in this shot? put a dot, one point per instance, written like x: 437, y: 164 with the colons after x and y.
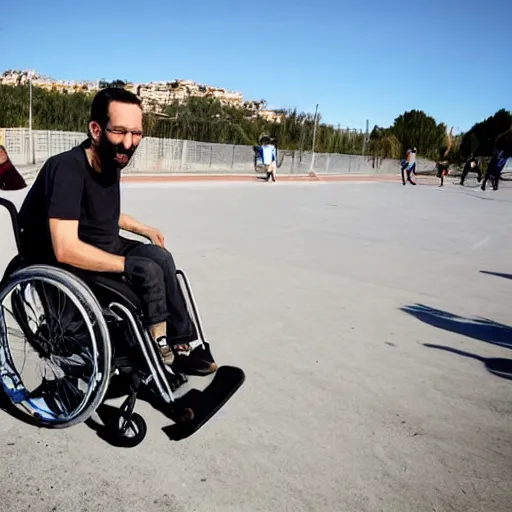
x: 50, y: 339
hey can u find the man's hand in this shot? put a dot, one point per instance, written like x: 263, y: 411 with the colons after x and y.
x: 155, y: 235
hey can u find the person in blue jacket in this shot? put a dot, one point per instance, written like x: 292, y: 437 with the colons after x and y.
x: 268, y: 158
x: 501, y: 153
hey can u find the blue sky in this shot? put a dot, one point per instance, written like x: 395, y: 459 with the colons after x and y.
x: 359, y: 60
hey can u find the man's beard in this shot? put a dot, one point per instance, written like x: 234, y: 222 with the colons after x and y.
x: 113, y: 157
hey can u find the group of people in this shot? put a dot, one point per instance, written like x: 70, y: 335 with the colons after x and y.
x: 499, y: 158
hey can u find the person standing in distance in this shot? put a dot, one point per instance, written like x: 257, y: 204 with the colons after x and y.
x: 443, y: 164
x: 408, y: 166
x: 268, y: 158
x: 500, y: 156
x: 471, y: 165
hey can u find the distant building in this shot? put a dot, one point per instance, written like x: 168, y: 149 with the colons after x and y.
x: 155, y: 96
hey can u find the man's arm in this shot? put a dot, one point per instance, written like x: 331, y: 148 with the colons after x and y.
x: 450, y: 144
x: 134, y: 226
x: 70, y: 250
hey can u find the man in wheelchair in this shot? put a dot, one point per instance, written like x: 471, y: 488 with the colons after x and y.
x: 71, y: 217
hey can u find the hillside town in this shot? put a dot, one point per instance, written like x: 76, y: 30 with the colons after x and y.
x: 155, y: 95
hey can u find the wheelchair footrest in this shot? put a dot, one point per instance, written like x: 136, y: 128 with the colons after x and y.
x: 205, y: 404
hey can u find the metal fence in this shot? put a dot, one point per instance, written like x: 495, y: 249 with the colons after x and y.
x: 167, y: 156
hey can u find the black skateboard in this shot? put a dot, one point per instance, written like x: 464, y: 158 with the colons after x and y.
x: 206, y: 403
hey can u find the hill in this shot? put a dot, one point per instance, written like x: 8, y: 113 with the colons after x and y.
x: 156, y: 96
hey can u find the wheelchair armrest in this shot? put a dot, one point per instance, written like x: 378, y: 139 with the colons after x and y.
x: 147, y: 238
x: 137, y: 235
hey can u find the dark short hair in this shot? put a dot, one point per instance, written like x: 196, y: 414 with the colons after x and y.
x: 103, y: 99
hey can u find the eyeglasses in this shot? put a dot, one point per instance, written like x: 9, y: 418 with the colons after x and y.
x: 123, y: 132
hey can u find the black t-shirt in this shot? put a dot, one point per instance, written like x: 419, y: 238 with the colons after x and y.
x: 68, y: 188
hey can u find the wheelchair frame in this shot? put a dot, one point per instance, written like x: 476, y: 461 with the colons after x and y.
x: 130, y: 429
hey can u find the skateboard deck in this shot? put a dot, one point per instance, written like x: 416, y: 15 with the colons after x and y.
x: 205, y: 404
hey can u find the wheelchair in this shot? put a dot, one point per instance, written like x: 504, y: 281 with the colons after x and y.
x: 81, y: 331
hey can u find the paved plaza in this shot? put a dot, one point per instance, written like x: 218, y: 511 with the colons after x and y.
x: 373, y: 322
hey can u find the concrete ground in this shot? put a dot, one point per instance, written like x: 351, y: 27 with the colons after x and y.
x: 376, y: 349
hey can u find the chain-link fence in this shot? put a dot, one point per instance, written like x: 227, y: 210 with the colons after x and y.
x: 167, y: 156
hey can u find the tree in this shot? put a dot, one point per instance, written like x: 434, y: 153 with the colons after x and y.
x: 209, y: 120
x: 416, y: 129
x: 480, y: 139
x: 115, y: 83
x: 383, y: 144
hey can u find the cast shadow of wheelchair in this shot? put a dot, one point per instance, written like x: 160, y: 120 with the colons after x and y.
x: 106, y: 414
x: 481, y: 329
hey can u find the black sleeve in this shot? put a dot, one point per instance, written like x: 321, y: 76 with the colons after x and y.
x: 64, y: 190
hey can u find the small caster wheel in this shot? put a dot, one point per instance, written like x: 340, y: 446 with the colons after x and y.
x: 132, y: 432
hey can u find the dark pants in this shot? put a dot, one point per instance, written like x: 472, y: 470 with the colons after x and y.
x: 467, y: 170
x: 404, y: 170
x: 159, y: 290
x: 442, y: 171
x: 494, y: 175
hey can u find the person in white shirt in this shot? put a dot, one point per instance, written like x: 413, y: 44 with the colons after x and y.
x: 268, y: 156
x: 409, y: 166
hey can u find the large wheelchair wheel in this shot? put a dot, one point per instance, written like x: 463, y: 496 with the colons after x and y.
x: 55, y: 351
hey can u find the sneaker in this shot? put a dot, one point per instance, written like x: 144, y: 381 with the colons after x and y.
x: 194, y: 361
x: 166, y: 353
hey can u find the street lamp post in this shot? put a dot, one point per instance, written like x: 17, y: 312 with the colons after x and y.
x: 314, y: 139
x: 30, y: 135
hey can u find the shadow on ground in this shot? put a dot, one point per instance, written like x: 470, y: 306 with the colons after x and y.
x: 480, y: 329
x: 500, y: 367
x: 204, y: 404
x: 497, y: 274
x: 105, y: 415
